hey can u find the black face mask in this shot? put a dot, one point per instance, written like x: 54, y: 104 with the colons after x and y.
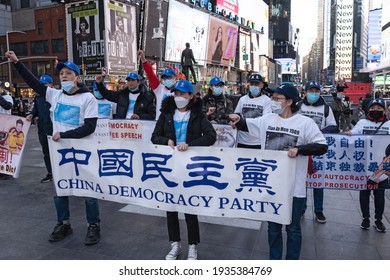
x: 375, y: 115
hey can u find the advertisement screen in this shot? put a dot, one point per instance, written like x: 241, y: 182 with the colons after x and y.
x: 245, y: 53
x: 223, y: 38
x: 186, y: 25
x: 85, y: 25
x: 289, y: 65
x: 231, y: 6
x: 121, y: 38
x: 374, y: 35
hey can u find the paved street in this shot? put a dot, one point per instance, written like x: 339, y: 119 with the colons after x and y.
x: 28, y: 217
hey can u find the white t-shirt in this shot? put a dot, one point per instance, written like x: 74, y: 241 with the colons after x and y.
x: 8, y: 98
x: 276, y: 133
x: 317, y: 114
x: 251, y: 108
x: 161, y: 93
x: 106, y: 109
x: 132, y: 99
x: 180, y: 120
x: 365, y: 126
x: 69, y: 111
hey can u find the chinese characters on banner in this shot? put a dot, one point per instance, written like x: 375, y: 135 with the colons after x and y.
x: 349, y: 162
x: 13, y: 132
x: 203, y: 180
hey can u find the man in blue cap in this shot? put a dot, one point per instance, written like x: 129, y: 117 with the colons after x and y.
x: 133, y: 102
x: 163, y: 89
x: 75, y: 113
x: 41, y: 115
x: 106, y: 108
x: 315, y: 107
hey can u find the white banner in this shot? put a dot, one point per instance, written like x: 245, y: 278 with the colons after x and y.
x: 349, y: 162
x: 13, y: 133
x: 220, y: 182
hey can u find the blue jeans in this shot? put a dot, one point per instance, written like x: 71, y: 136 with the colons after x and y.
x: 318, y: 197
x: 91, y: 209
x: 294, y: 236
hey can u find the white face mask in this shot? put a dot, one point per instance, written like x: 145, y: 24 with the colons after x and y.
x: 181, y: 101
x: 276, y: 107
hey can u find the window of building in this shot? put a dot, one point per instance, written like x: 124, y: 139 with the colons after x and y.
x: 61, y: 27
x: 25, y: 4
x: 58, y: 45
x: 40, y: 47
x: 40, y: 27
x: 19, y: 48
x: 41, y: 67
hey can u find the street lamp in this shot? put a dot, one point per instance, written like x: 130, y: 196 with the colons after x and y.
x: 9, y: 62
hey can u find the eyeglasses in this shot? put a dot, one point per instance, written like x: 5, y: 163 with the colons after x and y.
x: 278, y: 98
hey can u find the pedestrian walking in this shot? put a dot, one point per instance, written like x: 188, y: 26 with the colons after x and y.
x: 73, y: 97
x: 181, y: 125
x: 287, y: 130
x: 345, y: 117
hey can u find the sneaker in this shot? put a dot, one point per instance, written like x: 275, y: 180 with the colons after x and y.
x: 192, y: 252
x: 175, y: 251
x: 365, y: 224
x: 60, y: 231
x: 48, y: 178
x: 320, y: 218
x: 93, y: 234
x: 379, y: 226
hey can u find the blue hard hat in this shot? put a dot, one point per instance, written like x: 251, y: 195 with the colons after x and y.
x: 312, y: 84
x: 215, y: 81
x: 377, y: 101
x: 69, y: 65
x: 132, y: 76
x: 168, y: 73
x: 45, y: 79
x: 183, y: 86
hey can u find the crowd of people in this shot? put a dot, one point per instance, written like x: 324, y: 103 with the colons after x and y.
x: 185, y: 119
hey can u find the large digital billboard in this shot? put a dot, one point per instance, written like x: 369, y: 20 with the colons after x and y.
x: 186, y: 25
x: 374, y: 35
x: 222, y: 44
x: 344, y: 39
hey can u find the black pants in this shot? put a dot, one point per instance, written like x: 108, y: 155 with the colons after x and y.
x: 379, y: 203
x: 185, y: 71
x: 174, y: 228
x: 45, y: 150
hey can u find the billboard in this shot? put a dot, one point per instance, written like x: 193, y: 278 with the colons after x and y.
x: 344, y: 39
x: 85, y: 25
x: 121, y: 32
x: 245, y: 53
x: 289, y: 65
x: 374, y: 35
x: 186, y: 25
x: 222, y: 44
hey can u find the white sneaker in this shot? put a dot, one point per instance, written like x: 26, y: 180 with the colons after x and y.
x: 192, y: 252
x: 175, y: 251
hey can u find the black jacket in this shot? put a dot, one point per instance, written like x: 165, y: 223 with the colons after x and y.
x: 41, y: 109
x: 145, y: 106
x: 4, y: 103
x: 200, y: 132
x: 187, y: 57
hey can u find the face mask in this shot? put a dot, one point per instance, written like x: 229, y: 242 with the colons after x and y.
x: 217, y: 91
x: 134, y: 89
x: 312, y: 97
x: 276, y: 107
x: 181, y: 102
x: 169, y: 83
x: 67, y: 86
x: 254, y: 90
x: 375, y: 115
x: 97, y: 94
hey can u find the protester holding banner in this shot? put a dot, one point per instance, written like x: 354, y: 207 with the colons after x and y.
x: 182, y: 124
x: 74, y: 112
x: 41, y: 115
x: 6, y: 101
x: 376, y: 122
x: 286, y: 130
x: 106, y: 109
x: 253, y: 105
x: 133, y: 102
x: 163, y: 89
x: 216, y: 105
x: 315, y: 107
